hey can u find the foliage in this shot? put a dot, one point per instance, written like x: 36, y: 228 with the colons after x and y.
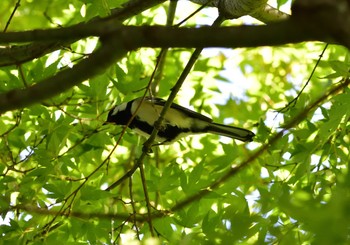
x: 57, y: 158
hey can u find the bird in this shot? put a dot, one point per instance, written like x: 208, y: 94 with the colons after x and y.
x: 178, y: 121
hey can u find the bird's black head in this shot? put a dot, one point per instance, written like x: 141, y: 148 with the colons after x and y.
x: 120, y: 114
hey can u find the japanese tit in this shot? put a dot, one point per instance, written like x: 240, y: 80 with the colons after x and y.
x: 178, y: 121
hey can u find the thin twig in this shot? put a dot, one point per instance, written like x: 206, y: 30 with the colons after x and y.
x: 174, y: 91
x: 133, y: 210
x: 294, y: 101
x: 163, y: 53
x: 148, y: 204
x: 18, y: 4
x: 194, y: 13
x: 232, y: 172
x: 148, y: 144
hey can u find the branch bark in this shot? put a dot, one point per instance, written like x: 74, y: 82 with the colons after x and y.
x: 326, y: 22
x: 292, y: 30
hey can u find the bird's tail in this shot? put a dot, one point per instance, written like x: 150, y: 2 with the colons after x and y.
x: 230, y: 131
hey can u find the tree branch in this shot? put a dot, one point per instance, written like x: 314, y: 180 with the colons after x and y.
x: 293, y: 30
x: 323, y: 23
x: 233, y: 171
x: 326, y: 23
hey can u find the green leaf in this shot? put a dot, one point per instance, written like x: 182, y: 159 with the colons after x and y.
x: 91, y: 193
x: 163, y: 227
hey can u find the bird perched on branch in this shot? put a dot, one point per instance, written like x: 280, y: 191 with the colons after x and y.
x: 178, y: 121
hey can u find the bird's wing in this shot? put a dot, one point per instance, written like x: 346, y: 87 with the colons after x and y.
x: 188, y: 112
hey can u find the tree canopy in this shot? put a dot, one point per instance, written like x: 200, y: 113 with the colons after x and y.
x: 67, y: 176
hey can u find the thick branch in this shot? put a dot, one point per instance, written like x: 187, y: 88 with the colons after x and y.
x: 321, y: 23
x: 325, y: 24
x: 328, y: 23
x: 290, y: 31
